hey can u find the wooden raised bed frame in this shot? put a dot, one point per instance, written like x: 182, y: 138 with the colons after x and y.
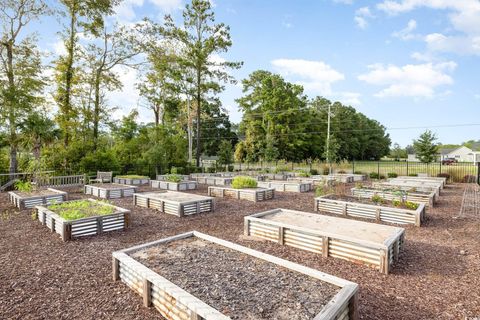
x: 371, y: 211
x: 287, y: 186
x: 164, y: 177
x: 131, y: 181
x: 20, y: 202
x: 69, y: 229
x: 119, y: 191
x: 347, y: 239
x: 174, y: 303
x: 250, y: 194
x: 176, y: 203
x: 427, y: 198
x: 174, y: 186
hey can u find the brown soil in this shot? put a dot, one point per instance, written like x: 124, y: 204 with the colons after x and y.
x: 41, y: 277
x: 111, y: 186
x: 234, y: 283
x: 35, y: 193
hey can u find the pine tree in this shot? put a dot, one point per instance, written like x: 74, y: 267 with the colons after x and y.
x: 425, y: 147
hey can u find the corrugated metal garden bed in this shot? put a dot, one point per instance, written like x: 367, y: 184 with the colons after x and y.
x: 250, y: 194
x: 371, y: 244
x: 174, y: 186
x: 196, y: 276
x: 287, y: 186
x: 428, y: 198
x: 132, y: 181
x: 110, y: 190
x: 176, y: 203
x: 23, y: 200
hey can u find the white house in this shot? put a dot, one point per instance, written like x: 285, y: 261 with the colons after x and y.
x: 461, y: 154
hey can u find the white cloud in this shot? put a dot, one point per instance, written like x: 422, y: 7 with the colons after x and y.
x: 59, y: 48
x: 349, y: 98
x: 361, y: 17
x: 406, y: 33
x: 343, y: 1
x: 128, y: 97
x: 464, y: 16
x: 170, y: 5
x: 420, y: 80
x: 126, y: 9
x: 314, y: 76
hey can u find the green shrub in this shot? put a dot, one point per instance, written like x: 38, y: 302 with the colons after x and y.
x: 444, y: 175
x: 241, y: 182
x: 374, y: 175
x: 323, y: 190
x: 396, y: 202
x: 358, y: 172
x: 211, y: 169
x: 411, y: 205
x: 313, y: 172
x: 23, y: 186
x: 231, y: 168
x: 280, y: 169
x: 377, y: 199
x: 132, y: 176
x: 77, y: 209
x: 341, y: 172
x: 392, y: 175
x: 382, y: 176
x: 173, y: 178
x: 326, y: 171
x: 359, y: 185
x: 303, y: 173
x: 413, y: 174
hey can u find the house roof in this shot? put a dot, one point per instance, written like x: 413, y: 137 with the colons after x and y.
x: 445, y: 151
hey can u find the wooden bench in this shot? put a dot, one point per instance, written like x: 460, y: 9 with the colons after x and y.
x: 103, y: 177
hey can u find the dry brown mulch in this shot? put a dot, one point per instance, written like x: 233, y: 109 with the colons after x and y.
x: 42, y: 277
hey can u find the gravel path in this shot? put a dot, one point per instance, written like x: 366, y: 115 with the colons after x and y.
x: 234, y: 283
x: 437, y: 276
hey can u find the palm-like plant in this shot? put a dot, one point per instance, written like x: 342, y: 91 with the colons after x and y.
x: 37, y: 131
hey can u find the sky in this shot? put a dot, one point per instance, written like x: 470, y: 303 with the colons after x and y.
x: 410, y: 64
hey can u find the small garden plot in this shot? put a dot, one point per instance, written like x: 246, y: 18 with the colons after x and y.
x: 203, y: 174
x: 356, y: 177
x: 407, y: 187
x: 175, y: 186
x: 196, y: 276
x: 176, y: 203
x: 110, y: 190
x: 396, y: 195
x: 79, y: 218
x: 166, y: 177
x: 279, y: 176
x: 443, y: 180
x: 415, y: 182
x: 314, y: 181
x: 375, y: 208
x: 347, y: 178
x: 287, y: 186
x: 375, y: 245
x: 250, y: 194
x: 214, y: 181
x: 132, y: 180
x: 30, y: 199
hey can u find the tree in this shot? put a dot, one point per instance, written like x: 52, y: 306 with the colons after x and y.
x: 202, y: 39
x: 37, y: 131
x: 86, y: 16
x: 425, y: 147
x: 225, y: 153
x: 21, y: 81
x: 117, y: 48
x: 397, y: 152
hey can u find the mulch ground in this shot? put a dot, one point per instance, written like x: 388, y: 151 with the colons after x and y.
x: 41, y: 277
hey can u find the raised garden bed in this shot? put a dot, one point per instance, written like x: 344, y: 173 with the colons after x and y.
x: 204, y: 174
x: 443, y: 180
x: 380, y: 213
x: 407, y: 187
x: 79, y: 218
x: 314, y: 181
x: 279, y: 176
x: 250, y: 194
x: 419, y: 181
x: 24, y: 200
x: 196, y: 276
x: 390, y: 194
x: 174, y: 186
x: 110, y: 190
x: 375, y: 245
x: 287, y: 186
x: 356, y: 177
x: 131, y: 180
x: 344, y: 178
x: 165, y: 177
x: 214, y: 181
x: 176, y: 203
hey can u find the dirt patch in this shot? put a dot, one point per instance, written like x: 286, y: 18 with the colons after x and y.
x: 111, y: 186
x: 36, y: 193
x: 235, y: 283
x: 381, y: 201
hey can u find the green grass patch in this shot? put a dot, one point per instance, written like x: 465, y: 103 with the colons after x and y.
x: 242, y: 182
x: 132, y: 176
x: 173, y: 178
x: 78, y: 209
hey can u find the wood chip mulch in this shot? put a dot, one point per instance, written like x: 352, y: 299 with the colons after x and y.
x: 41, y: 277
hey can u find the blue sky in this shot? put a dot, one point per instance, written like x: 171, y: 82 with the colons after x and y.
x: 405, y: 63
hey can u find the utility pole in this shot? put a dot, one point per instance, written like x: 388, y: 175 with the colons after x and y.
x: 328, y: 142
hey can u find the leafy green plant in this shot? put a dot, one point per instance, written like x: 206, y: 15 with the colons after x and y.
x: 396, y: 202
x: 411, y: 205
x: 303, y: 173
x: 377, y: 199
x: 359, y: 185
x: 173, y: 178
x: 280, y: 169
x: 132, y: 176
x: 392, y: 175
x: 358, y: 172
x: 323, y: 190
x: 413, y: 174
x: 313, y: 172
x: 77, y: 209
x: 23, y: 186
x: 241, y: 182
x: 374, y: 175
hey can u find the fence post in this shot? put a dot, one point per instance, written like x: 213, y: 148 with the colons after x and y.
x: 378, y: 168
x: 407, y: 167
x: 478, y: 173
x: 353, y: 166
x: 440, y: 166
